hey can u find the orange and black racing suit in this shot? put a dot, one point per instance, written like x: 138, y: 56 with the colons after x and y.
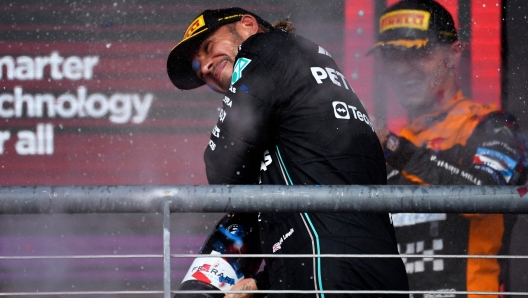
x: 464, y: 143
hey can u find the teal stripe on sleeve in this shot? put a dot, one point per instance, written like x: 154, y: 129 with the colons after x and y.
x: 319, y: 278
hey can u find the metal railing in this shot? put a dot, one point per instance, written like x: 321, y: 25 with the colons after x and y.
x: 259, y: 198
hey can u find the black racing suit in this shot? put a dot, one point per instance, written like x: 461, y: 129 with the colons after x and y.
x: 291, y: 118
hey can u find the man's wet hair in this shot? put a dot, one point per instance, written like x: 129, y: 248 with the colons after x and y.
x: 284, y: 25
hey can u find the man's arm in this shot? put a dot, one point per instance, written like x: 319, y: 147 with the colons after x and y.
x: 493, y: 155
x: 242, y: 133
x: 247, y: 284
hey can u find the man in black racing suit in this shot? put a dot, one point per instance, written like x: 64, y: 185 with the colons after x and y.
x: 290, y: 117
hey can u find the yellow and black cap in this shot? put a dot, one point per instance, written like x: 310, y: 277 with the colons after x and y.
x: 179, y: 62
x: 414, y: 24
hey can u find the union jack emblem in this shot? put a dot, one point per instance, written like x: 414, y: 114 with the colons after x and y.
x: 276, y: 246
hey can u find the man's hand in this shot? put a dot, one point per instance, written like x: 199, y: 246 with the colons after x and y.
x: 247, y: 284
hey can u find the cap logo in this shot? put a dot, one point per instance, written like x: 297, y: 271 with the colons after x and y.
x: 405, y: 18
x: 230, y: 17
x: 197, y: 24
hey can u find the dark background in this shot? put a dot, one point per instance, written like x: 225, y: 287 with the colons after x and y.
x: 133, y: 39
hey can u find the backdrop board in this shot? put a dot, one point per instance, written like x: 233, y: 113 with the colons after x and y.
x: 85, y: 98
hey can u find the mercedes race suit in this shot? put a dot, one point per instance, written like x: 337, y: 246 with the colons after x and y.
x: 290, y: 117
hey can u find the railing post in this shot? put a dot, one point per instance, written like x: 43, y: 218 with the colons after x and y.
x: 166, y: 251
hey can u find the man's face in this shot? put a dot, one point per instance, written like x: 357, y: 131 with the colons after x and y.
x: 215, y: 58
x: 418, y: 76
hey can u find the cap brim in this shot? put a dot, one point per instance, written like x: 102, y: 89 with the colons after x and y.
x: 401, y: 44
x: 179, y: 64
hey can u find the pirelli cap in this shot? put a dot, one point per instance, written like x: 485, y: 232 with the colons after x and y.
x: 413, y: 24
x: 179, y: 64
